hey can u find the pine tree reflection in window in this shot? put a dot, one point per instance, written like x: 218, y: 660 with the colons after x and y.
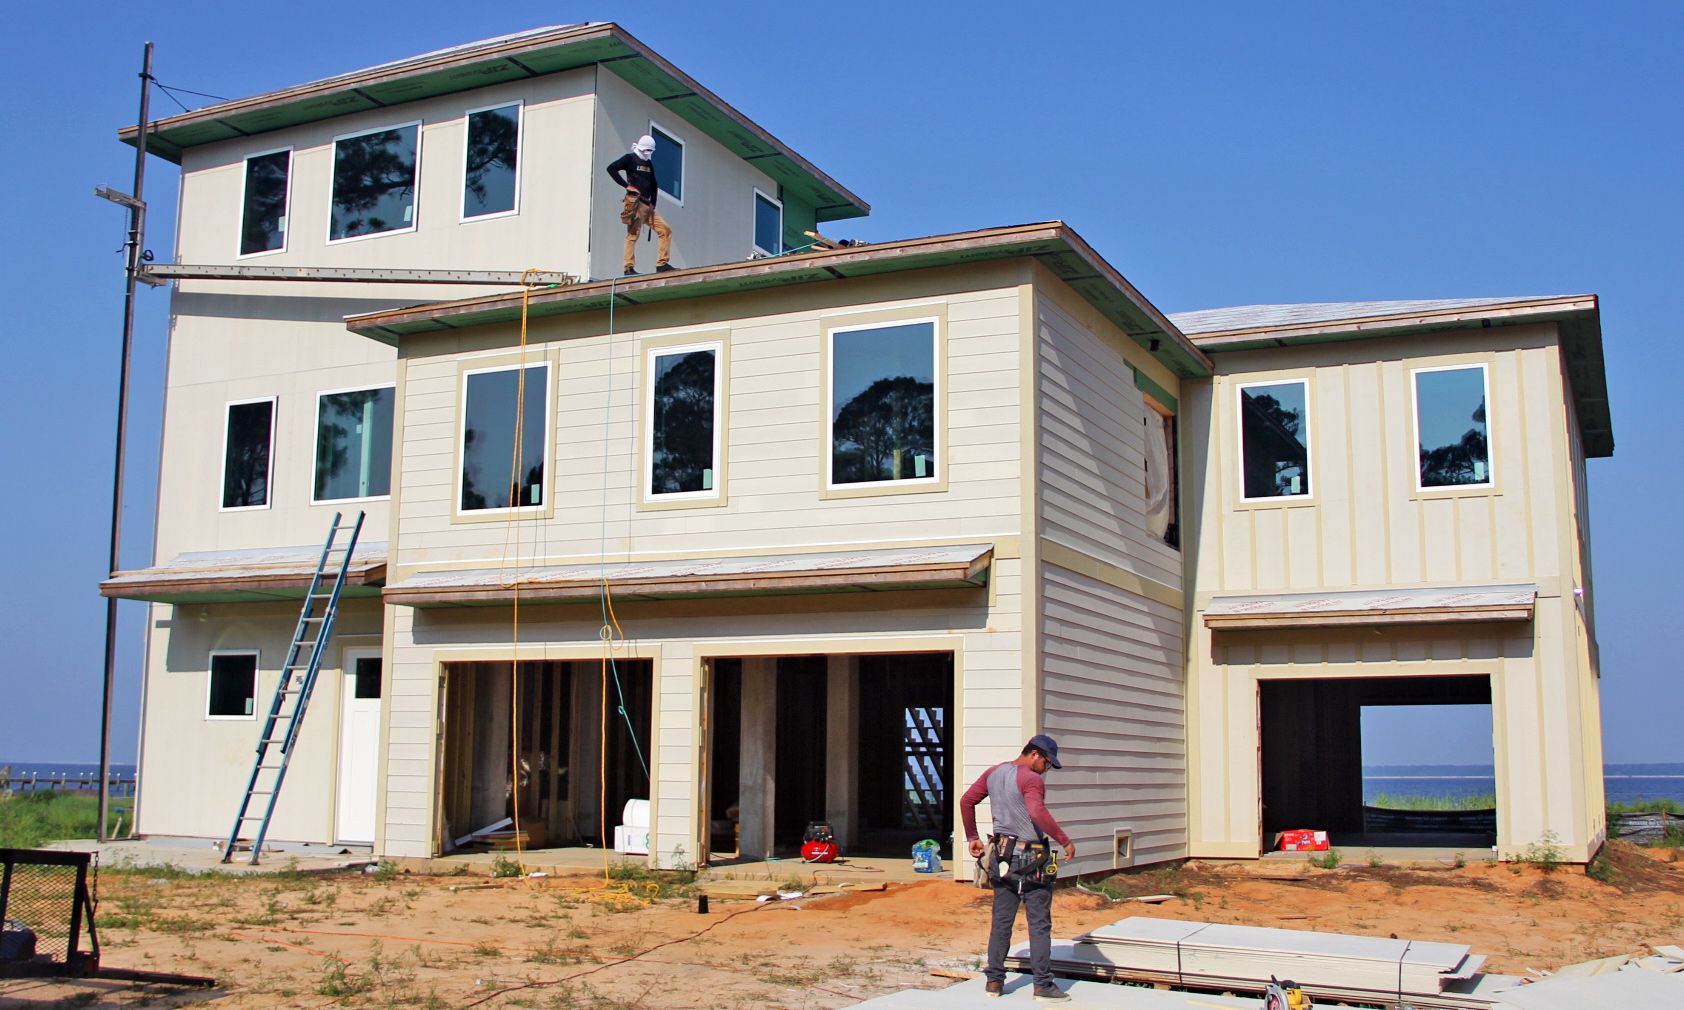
x: 263, y: 228
x: 883, y: 404
x: 682, y: 423
x: 493, y: 154
x: 1450, y: 422
x: 374, y: 182
x: 354, y: 444
x: 245, y: 466
x: 488, y: 439
x: 1276, y: 456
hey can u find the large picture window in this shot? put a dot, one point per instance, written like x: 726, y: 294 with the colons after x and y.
x: 683, y: 421
x: 768, y: 225
x: 496, y: 413
x: 247, y: 454
x: 354, y: 444
x: 883, y: 403
x: 374, y: 182
x: 232, y: 693
x: 491, y: 174
x: 669, y: 163
x: 263, y: 219
x: 1275, y: 439
x: 1452, y: 441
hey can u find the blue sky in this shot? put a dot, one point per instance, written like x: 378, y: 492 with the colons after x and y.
x: 1217, y: 154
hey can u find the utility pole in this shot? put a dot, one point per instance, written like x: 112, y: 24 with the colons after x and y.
x: 136, y: 204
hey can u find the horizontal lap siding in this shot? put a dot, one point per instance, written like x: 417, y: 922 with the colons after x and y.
x: 1112, y: 697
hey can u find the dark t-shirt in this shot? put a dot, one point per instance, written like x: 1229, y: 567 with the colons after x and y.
x: 630, y: 170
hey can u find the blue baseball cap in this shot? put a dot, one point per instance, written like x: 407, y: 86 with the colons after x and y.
x: 1048, y: 746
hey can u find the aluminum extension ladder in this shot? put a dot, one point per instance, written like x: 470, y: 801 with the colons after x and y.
x: 298, y: 680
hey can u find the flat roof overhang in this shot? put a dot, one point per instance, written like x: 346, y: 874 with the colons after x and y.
x: 250, y: 576
x: 1579, y: 318
x: 493, y: 61
x: 965, y: 566
x: 1053, y: 244
x: 1368, y: 608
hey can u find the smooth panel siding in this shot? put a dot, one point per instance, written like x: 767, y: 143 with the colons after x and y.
x: 1111, y: 683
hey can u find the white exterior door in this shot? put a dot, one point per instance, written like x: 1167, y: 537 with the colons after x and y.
x: 359, y: 747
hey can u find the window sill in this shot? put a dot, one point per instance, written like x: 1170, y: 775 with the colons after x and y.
x: 884, y: 489
x: 1466, y: 491
x: 1275, y: 503
x: 664, y: 504
x: 504, y: 515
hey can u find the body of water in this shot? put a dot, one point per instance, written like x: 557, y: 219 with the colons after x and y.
x: 1623, y: 783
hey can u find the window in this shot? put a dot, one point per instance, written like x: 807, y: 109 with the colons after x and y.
x: 1275, y: 439
x: 496, y: 410
x: 233, y: 686
x: 1451, y: 438
x: 883, y: 403
x: 669, y: 163
x: 768, y: 225
x: 263, y: 223
x: 683, y: 422
x: 354, y: 444
x: 247, y: 461
x: 366, y: 672
x: 491, y: 173
x: 1162, y: 499
x: 374, y: 182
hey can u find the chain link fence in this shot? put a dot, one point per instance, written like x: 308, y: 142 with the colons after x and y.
x: 45, y: 913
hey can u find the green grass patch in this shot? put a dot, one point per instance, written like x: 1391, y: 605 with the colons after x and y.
x: 1647, y: 807
x: 1471, y: 801
x: 29, y: 819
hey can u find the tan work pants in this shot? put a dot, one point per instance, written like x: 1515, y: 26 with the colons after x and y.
x: 636, y: 214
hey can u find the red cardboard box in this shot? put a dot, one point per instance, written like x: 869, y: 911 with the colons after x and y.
x: 1303, y: 840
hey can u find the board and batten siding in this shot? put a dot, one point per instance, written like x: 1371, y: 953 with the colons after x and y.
x: 1111, y: 658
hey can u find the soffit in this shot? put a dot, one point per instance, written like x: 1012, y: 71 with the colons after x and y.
x: 245, y: 576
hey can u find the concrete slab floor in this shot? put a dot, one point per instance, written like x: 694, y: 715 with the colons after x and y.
x: 197, y: 855
x: 1354, y: 854
x: 589, y: 859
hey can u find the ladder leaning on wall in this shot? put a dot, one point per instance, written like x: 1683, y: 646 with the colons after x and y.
x: 298, y: 680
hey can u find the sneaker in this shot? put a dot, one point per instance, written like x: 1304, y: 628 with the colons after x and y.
x: 994, y: 989
x: 662, y: 268
x: 1050, y: 994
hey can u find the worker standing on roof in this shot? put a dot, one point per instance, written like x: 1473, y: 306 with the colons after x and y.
x: 1018, y: 861
x: 636, y: 172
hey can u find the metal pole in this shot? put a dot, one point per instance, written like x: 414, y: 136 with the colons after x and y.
x: 137, y: 240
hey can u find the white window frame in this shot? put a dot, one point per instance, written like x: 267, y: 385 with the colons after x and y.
x: 315, y: 443
x: 222, y: 460
x: 256, y: 676
x: 549, y: 435
x: 332, y: 170
x: 648, y: 479
x: 940, y: 418
x: 754, y: 221
x: 520, y: 161
x: 683, y: 163
x: 286, y: 212
x: 1309, y: 440
x: 1415, y: 426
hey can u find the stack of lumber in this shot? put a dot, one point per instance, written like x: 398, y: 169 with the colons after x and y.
x: 1329, y: 966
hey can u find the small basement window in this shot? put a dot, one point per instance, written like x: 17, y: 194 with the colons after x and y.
x: 1275, y: 440
x: 683, y: 422
x: 669, y: 163
x: 247, y: 461
x: 491, y: 175
x: 496, y: 410
x: 768, y: 225
x: 883, y: 404
x: 233, y: 686
x: 1452, y: 447
x: 354, y: 444
x: 263, y: 221
x: 374, y: 182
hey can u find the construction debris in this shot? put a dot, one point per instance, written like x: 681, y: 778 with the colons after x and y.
x: 1083, y: 995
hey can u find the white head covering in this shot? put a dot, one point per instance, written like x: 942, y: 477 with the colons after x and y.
x: 644, y: 147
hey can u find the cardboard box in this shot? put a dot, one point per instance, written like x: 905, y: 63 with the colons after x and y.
x: 1302, y: 840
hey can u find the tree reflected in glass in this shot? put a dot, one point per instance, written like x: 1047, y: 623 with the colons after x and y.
x: 1450, y: 422
x: 493, y: 148
x: 263, y: 228
x: 681, y: 434
x: 245, y: 471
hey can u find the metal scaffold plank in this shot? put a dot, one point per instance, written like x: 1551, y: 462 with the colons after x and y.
x: 162, y: 272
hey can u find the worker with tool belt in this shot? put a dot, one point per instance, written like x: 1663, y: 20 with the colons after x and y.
x: 636, y: 172
x: 1018, y: 860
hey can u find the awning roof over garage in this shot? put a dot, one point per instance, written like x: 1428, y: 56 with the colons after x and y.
x: 881, y: 570
x: 1381, y: 606
x: 279, y: 573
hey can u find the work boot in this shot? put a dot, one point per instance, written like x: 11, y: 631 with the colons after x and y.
x: 662, y: 268
x: 1049, y: 993
x: 994, y: 988
x: 630, y: 272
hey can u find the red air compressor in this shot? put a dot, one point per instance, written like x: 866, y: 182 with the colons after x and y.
x: 819, y: 844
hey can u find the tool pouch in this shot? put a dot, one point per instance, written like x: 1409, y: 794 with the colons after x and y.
x: 1019, y: 864
x: 629, y: 209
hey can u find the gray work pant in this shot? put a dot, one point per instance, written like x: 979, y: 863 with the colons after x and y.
x: 1037, y: 908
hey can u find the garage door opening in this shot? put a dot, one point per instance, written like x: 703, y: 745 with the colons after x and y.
x: 1314, y: 750
x: 860, y: 742
x: 560, y: 778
